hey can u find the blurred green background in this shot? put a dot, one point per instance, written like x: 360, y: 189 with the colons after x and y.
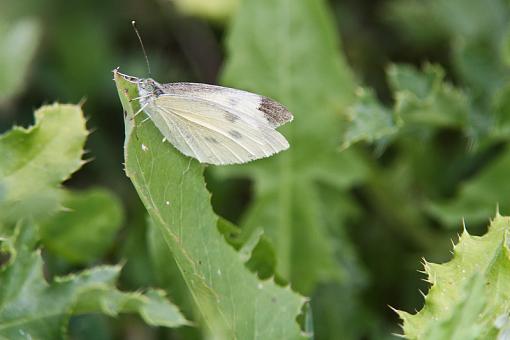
x: 420, y: 181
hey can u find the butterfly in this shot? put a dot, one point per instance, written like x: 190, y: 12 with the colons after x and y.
x: 214, y: 124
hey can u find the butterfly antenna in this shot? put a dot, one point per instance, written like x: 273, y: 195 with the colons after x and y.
x: 133, y: 23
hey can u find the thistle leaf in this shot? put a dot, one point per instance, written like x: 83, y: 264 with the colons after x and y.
x: 31, y: 307
x: 468, y: 293
x: 36, y: 160
x: 232, y: 301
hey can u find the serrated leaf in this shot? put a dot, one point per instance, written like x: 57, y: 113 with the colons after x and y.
x: 18, y: 43
x: 31, y: 307
x: 369, y: 120
x: 233, y: 303
x: 425, y: 97
x: 85, y: 229
x: 423, y: 100
x: 297, y: 62
x: 458, y: 298
x: 152, y: 305
x: 462, y: 322
x: 36, y: 160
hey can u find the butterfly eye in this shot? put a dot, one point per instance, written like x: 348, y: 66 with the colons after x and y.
x: 148, y: 86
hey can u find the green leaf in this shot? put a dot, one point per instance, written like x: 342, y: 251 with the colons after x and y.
x: 232, y: 302
x: 288, y: 50
x: 462, y: 322
x: 36, y: 160
x: 478, y: 197
x: 86, y: 228
x: 169, y: 277
x: 18, y: 44
x: 425, y: 98
x: 153, y: 306
x: 32, y: 308
x: 468, y: 293
x: 369, y: 120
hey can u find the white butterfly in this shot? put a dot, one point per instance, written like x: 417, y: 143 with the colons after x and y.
x: 214, y: 124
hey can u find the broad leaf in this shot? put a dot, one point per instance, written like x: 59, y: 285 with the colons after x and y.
x: 36, y: 160
x: 232, y: 301
x: 288, y: 50
x: 470, y: 292
x: 31, y: 307
x: 85, y: 229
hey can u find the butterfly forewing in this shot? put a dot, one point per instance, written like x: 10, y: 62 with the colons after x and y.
x: 250, y: 104
x: 213, y: 133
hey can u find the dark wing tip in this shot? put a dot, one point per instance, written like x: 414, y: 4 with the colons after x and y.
x: 274, y: 112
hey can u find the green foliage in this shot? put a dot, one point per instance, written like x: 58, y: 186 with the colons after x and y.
x: 314, y: 83
x: 422, y: 100
x: 18, y: 43
x: 36, y: 160
x: 33, y: 308
x: 468, y: 293
x: 84, y: 230
x: 426, y: 99
x: 232, y: 302
x: 400, y: 132
x: 474, y: 30
x: 369, y: 120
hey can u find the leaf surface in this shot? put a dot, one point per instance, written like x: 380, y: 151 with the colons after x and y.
x: 36, y: 160
x: 468, y: 293
x: 32, y: 308
x: 232, y: 301
x: 288, y: 50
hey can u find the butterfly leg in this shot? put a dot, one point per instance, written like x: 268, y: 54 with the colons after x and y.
x: 137, y: 112
x: 140, y: 97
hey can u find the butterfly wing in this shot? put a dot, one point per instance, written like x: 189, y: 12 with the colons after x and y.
x: 214, y: 133
x: 246, y: 103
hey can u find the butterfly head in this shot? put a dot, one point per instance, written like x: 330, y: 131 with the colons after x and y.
x: 149, y: 87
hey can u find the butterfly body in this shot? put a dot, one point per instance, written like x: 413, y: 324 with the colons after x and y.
x: 214, y: 124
